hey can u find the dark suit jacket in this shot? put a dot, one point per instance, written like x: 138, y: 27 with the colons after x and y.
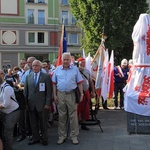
x: 34, y: 97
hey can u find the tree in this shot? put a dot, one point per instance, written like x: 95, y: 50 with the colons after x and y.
x: 115, y: 18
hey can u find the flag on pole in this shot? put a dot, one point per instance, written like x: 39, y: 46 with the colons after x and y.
x: 98, y: 80
x: 104, y: 90
x: 94, y: 65
x: 65, y: 41
x: 111, y: 75
x: 83, y: 53
x: 88, y: 62
x: 62, y: 46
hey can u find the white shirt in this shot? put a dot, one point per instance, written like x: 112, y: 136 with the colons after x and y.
x: 21, y: 73
x: 5, y: 98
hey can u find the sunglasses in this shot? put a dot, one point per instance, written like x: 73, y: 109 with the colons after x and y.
x: 45, y: 67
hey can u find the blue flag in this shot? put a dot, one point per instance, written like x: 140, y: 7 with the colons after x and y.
x: 63, y: 45
x: 64, y: 41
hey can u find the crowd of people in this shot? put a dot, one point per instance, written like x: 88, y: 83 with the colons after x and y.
x: 42, y: 85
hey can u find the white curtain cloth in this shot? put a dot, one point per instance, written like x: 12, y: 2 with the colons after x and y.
x: 137, y: 90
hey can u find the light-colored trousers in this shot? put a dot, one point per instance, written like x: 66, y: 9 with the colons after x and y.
x: 67, y: 110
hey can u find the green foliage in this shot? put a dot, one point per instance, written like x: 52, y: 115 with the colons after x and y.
x: 115, y: 18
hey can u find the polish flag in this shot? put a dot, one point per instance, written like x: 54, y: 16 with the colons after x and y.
x: 99, y: 79
x: 88, y: 63
x: 111, y: 75
x: 104, y: 91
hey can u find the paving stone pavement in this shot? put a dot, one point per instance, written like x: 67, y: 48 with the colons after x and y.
x: 113, y: 137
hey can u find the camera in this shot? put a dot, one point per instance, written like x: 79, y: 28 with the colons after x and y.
x: 15, y: 75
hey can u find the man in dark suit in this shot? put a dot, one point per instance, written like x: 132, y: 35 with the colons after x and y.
x: 38, y: 94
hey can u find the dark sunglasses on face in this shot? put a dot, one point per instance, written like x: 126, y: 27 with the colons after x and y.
x: 45, y: 67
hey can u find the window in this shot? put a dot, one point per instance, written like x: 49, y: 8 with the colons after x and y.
x: 30, y: 1
x: 30, y: 16
x: 41, y: 1
x: 74, y: 39
x: 64, y: 2
x: 73, y: 20
x: 36, y: 16
x: 40, y: 37
x: 31, y: 38
x: 37, y: 38
x: 41, y: 17
x: 65, y: 17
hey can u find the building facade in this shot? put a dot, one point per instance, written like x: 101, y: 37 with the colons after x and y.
x: 148, y: 1
x: 33, y: 28
x: 74, y: 34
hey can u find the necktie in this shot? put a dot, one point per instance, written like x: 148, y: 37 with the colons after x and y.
x: 35, y: 79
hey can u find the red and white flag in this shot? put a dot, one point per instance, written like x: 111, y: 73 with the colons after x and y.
x: 104, y: 91
x: 88, y: 62
x: 97, y: 68
x: 94, y: 65
x: 111, y: 75
x: 62, y: 46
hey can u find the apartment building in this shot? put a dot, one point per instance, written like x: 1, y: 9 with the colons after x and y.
x: 74, y: 34
x: 33, y: 28
x: 148, y: 1
x: 28, y: 28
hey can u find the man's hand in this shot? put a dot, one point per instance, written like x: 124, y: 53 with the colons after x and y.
x: 81, y: 97
x: 47, y: 107
x: 93, y: 94
x: 1, y: 107
x: 56, y: 99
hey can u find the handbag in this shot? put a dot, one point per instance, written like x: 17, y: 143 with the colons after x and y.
x: 77, y: 95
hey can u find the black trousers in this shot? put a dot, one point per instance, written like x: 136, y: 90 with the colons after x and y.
x: 39, y: 123
x: 22, y: 123
x: 118, y: 87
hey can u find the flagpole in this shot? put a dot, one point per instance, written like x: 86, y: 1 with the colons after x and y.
x: 102, y: 43
x: 63, y: 43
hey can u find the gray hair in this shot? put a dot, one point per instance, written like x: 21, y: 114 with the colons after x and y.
x: 31, y: 58
x: 37, y: 62
x: 66, y: 54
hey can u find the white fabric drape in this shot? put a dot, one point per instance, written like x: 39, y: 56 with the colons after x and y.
x: 137, y: 93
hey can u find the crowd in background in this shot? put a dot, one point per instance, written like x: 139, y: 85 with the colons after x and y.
x: 41, y: 84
